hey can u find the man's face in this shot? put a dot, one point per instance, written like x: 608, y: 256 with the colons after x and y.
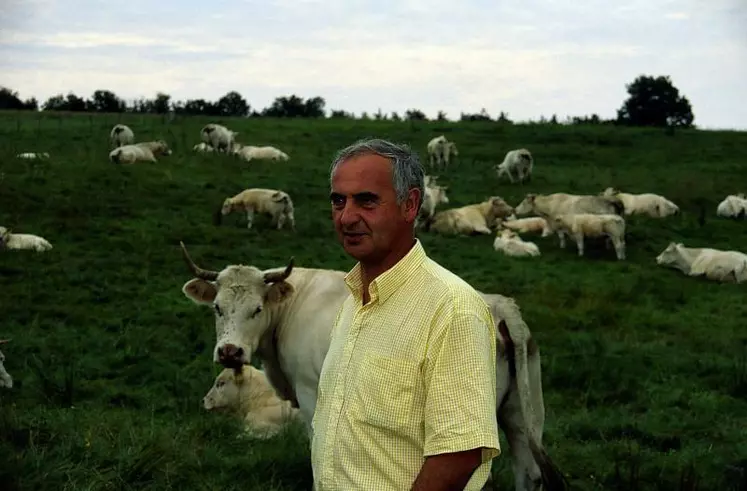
x: 367, y: 218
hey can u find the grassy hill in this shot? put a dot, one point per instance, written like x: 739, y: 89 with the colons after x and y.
x: 644, y: 369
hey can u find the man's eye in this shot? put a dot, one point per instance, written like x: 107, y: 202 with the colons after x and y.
x: 338, y: 202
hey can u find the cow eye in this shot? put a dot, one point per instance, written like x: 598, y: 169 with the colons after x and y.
x: 259, y: 309
x: 217, y: 309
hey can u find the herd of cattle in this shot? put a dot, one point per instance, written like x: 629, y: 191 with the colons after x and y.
x: 284, y: 315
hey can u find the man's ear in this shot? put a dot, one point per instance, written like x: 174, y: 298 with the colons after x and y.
x: 200, y: 291
x: 410, y: 206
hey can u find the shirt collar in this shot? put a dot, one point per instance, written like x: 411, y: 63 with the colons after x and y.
x: 384, y: 285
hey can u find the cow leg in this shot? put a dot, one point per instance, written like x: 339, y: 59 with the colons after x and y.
x: 281, y: 221
x: 619, y: 244
x: 527, y: 475
x: 579, y: 239
x: 561, y: 237
x: 249, y: 218
x: 291, y: 219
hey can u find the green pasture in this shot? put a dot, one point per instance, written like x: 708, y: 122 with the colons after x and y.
x: 644, y: 369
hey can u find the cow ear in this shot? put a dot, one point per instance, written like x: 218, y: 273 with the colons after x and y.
x: 277, y: 292
x: 200, y: 291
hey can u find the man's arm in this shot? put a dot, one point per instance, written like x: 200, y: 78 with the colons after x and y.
x: 461, y: 431
x: 448, y: 471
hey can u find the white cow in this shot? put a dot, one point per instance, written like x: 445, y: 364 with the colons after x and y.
x: 471, y: 219
x: 563, y: 203
x: 285, y: 317
x: 648, y: 204
x: 519, y: 161
x: 509, y: 243
x: 120, y: 135
x: 273, y: 202
x: 10, y: 240
x: 525, y: 225
x: 33, y: 155
x: 250, y: 153
x: 714, y: 264
x: 246, y: 393
x: 733, y: 206
x: 218, y: 136
x: 582, y: 225
x: 139, y: 152
x: 434, y: 195
x: 5, y: 379
x: 440, y: 151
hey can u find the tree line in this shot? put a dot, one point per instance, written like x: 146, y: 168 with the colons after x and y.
x: 652, y: 101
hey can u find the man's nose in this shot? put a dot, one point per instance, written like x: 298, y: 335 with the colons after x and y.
x: 349, y: 215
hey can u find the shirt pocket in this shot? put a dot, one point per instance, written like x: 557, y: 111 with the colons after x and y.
x: 385, y: 392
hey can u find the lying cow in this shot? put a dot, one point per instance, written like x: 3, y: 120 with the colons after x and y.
x: 525, y: 225
x: 713, y: 264
x: 285, y: 317
x: 470, y: 219
x: 509, y: 243
x: 733, y: 206
x: 649, y: 204
x: 246, y: 393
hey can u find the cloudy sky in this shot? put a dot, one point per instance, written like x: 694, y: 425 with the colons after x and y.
x: 528, y: 58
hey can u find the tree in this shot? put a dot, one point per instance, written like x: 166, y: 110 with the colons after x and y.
x: 9, y: 100
x: 104, y: 101
x: 161, y: 103
x: 232, y: 104
x: 415, y: 115
x: 655, y: 101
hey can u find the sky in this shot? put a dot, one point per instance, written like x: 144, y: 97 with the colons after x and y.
x: 528, y: 58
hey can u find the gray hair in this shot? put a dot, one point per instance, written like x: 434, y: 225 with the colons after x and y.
x: 407, y: 171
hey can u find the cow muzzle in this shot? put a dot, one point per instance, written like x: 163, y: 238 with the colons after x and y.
x: 231, y: 356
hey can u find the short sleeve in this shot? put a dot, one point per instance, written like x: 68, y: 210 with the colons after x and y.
x: 460, y: 408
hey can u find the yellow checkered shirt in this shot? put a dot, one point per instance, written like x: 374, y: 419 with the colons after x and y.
x: 408, y: 375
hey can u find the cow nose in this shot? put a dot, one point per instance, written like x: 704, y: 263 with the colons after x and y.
x: 229, y: 355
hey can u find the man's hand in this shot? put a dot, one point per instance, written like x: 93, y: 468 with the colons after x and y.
x: 447, y: 472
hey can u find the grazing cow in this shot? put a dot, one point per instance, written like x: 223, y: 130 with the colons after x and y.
x: 714, y: 264
x: 648, y: 204
x: 582, y: 225
x: 285, y: 317
x: 733, y: 206
x: 121, y: 135
x: 546, y: 205
x: 218, y: 136
x: 471, y: 219
x: 509, y: 243
x: 519, y: 160
x: 5, y: 379
x: 273, y: 202
x: 246, y: 393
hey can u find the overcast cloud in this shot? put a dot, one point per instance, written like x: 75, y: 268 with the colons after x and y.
x: 528, y: 58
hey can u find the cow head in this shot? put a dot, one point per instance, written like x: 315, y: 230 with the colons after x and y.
x: 451, y: 149
x: 610, y: 191
x: 161, y: 148
x: 671, y: 256
x: 527, y: 205
x: 4, y: 236
x: 498, y: 208
x: 225, y: 394
x: 241, y: 297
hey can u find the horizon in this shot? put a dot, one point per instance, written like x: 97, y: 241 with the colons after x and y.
x: 528, y: 61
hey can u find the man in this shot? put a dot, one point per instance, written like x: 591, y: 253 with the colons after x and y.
x: 407, y: 392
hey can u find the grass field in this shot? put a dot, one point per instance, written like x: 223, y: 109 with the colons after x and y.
x: 644, y: 369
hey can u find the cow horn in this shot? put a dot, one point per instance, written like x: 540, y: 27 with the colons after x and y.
x: 280, y: 276
x: 196, y: 270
